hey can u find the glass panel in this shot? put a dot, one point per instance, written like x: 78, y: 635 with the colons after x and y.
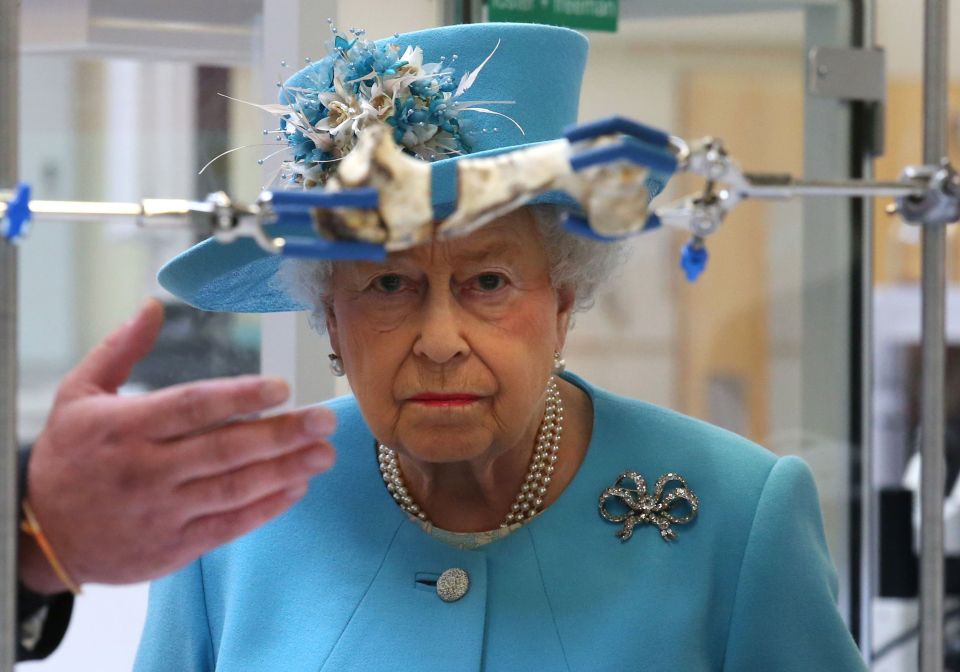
x: 141, y: 124
x: 744, y: 346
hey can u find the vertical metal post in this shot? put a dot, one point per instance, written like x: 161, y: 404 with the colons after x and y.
x: 462, y: 11
x: 869, y: 528
x: 9, y: 100
x: 827, y: 343
x: 933, y: 344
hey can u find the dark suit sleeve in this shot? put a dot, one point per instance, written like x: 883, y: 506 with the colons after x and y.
x: 41, y: 619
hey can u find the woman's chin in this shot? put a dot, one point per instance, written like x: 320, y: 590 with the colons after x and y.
x: 445, y: 445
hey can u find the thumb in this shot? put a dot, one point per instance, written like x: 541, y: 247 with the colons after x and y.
x: 107, y: 366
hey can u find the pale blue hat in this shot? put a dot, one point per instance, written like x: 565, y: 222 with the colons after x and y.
x: 538, y: 67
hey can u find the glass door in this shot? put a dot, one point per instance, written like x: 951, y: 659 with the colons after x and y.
x: 763, y: 343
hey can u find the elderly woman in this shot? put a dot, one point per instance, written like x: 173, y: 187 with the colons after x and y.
x: 489, y: 510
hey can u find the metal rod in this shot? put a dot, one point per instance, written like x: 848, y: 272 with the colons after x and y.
x: 770, y: 187
x: 80, y: 210
x: 75, y: 210
x: 933, y: 346
x: 9, y: 100
x: 869, y: 519
x: 779, y: 187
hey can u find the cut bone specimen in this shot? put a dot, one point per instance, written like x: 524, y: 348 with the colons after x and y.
x: 493, y: 186
x: 403, y: 186
x: 613, y: 196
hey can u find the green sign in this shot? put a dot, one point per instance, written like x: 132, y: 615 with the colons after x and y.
x: 587, y: 14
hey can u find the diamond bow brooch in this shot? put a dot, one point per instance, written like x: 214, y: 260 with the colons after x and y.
x: 630, y: 491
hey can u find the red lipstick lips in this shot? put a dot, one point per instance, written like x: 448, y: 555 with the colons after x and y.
x: 438, y: 399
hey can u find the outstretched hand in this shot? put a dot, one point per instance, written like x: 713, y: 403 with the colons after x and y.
x: 128, y: 488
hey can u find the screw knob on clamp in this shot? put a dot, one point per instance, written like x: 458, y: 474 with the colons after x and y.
x: 693, y: 259
x: 940, y: 204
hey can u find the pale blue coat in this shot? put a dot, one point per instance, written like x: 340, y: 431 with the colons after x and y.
x: 332, y: 585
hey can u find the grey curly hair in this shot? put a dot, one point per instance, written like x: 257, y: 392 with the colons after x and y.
x: 574, y: 260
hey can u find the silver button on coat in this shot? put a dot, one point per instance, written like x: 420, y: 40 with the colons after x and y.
x: 453, y: 584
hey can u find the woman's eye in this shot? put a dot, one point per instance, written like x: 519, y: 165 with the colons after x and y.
x: 490, y: 282
x: 389, y: 284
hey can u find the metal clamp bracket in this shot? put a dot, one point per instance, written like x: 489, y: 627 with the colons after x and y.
x: 847, y: 74
x: 930, y: 194
x: 939, y: 203
x: 855, y: 76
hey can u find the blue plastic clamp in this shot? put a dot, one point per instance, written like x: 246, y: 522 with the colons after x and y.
x: 365, y: 197
x: 291, y: 215
x: 653, y: 222
x: 627, y: 149
x: 335, y: 250
x: 16, y: 220
x: 617, y: 125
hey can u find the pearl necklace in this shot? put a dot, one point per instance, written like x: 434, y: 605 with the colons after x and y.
x: 534, y: 489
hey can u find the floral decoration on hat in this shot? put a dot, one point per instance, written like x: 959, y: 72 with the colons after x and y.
x: 362, y: 83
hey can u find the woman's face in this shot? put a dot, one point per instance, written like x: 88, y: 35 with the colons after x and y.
x: 449, y: 346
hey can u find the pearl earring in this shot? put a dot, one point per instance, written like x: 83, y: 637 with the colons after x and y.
x: 559, y: 365
x: 336, y: 365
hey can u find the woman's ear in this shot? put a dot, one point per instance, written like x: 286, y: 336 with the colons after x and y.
x: 566, y: 301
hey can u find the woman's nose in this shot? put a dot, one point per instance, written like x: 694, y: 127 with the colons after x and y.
x: 441, y: 337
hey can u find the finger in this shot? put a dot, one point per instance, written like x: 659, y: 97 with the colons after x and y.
x: 237, y: 489
x: 205, y: 533
x: 239, y: 444
x: 108, y: 365
x: 180, y: 410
